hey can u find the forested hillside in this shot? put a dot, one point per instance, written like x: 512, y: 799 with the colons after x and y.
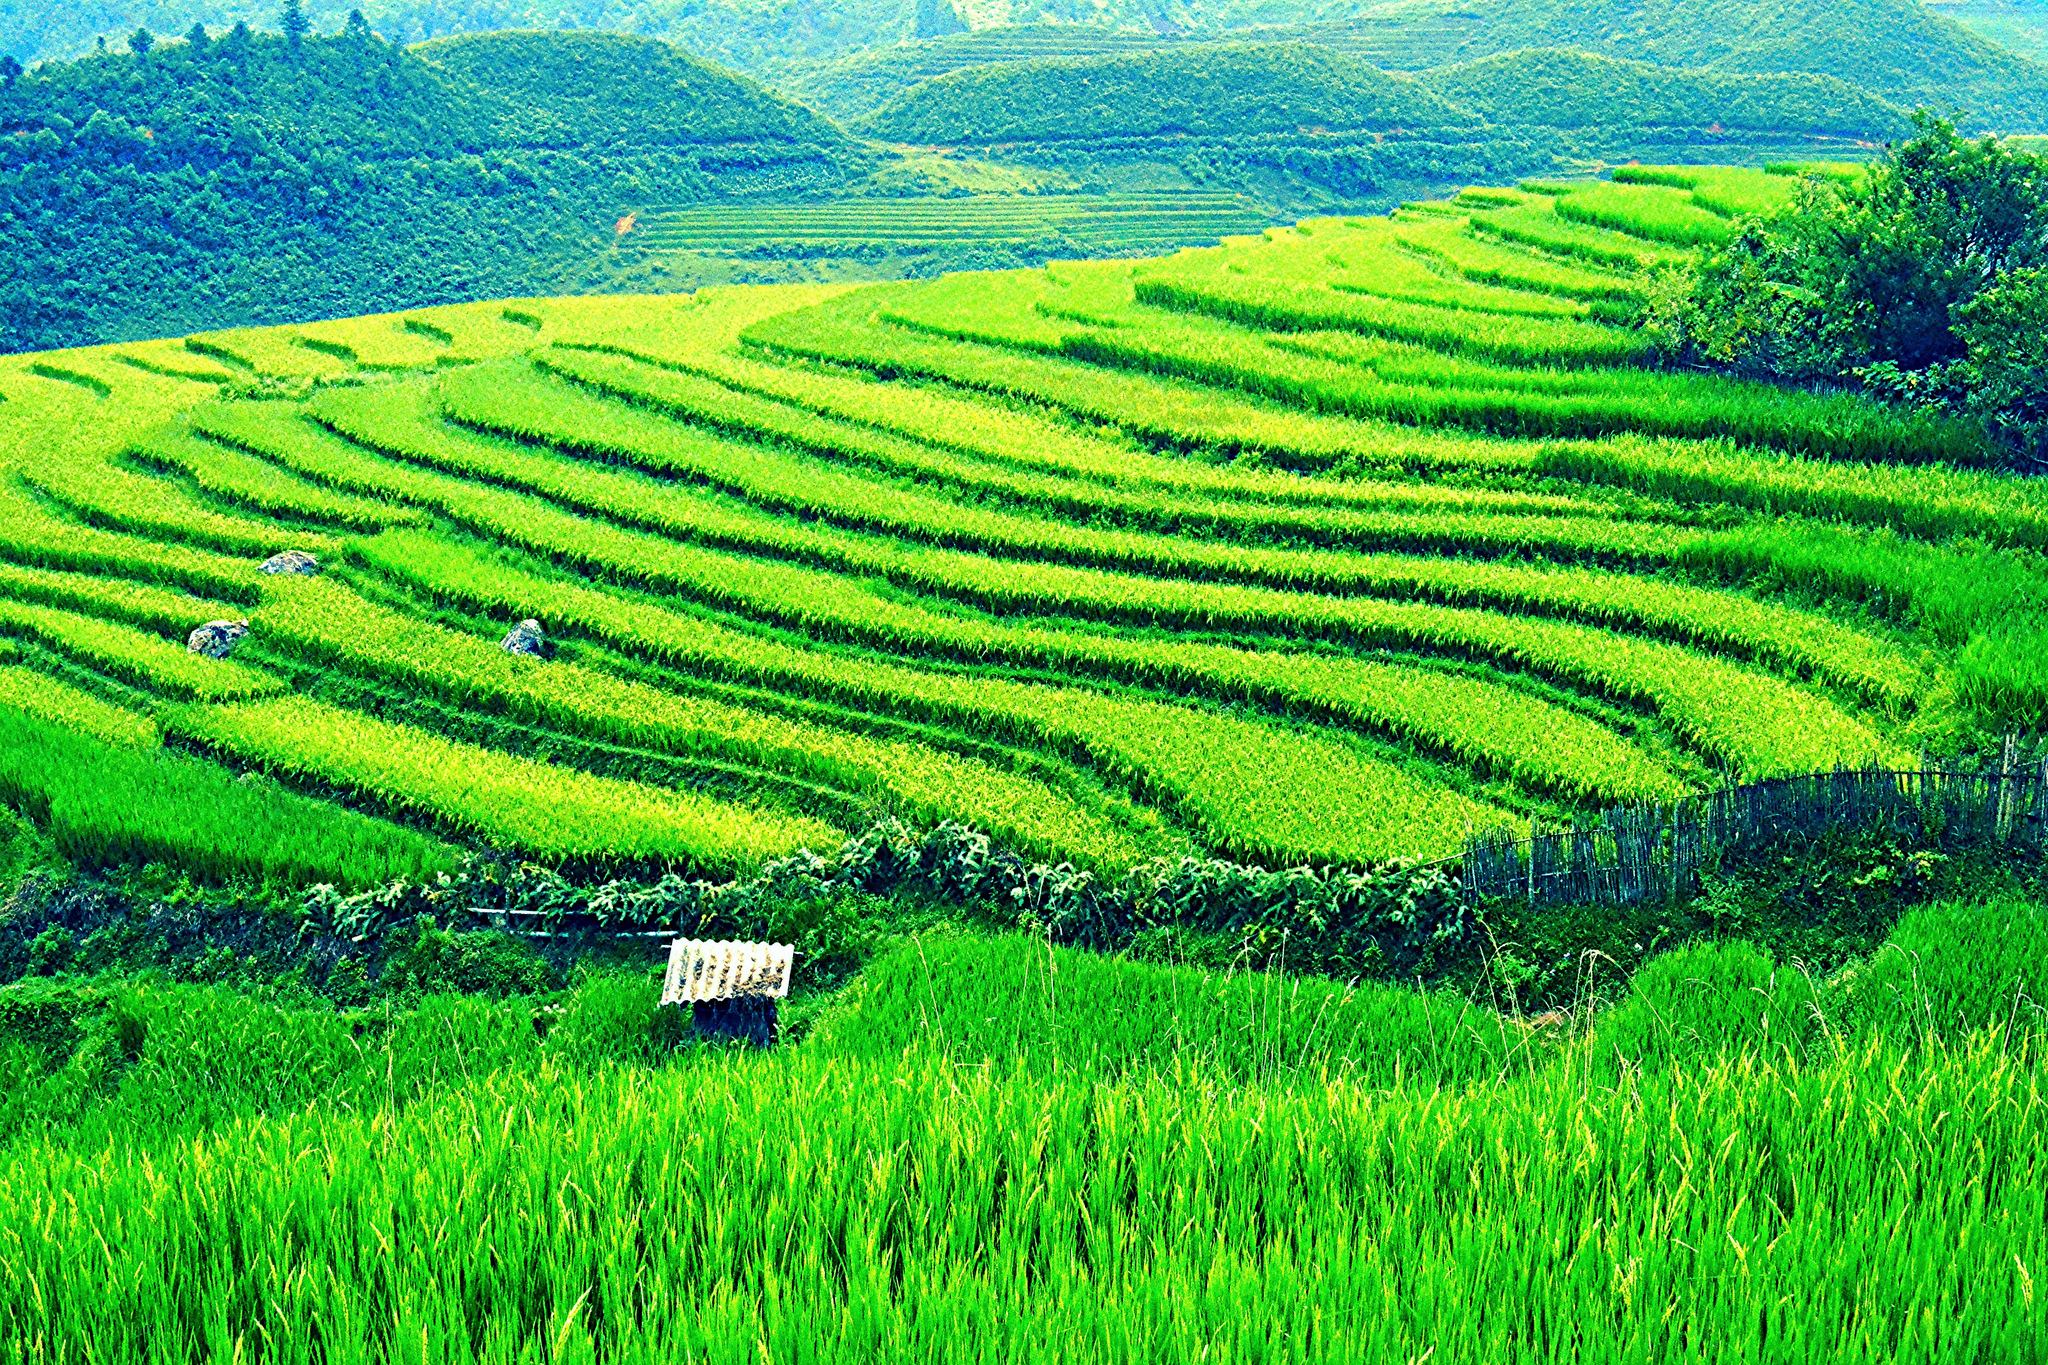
x: 250, y: 178
x: 1309, y: 127
x: 1901, y: 50
x: 1566, y: 88
x: 1226, y: 91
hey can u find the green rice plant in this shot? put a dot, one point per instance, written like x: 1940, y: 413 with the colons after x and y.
x: 381, y: 341
x: 1258, y: 300
x: 998, y: 438
x: 146, y: 660
x: 576, y: 421
x: 1868, y: 1205
x: 1933, y: 502
x: 110, y: 805
x: 2002, y: 675
x: 1652, y: 212
x: 269, y: 351
x: 329, y: 623
x: 1362, y: 256
x: 1950, y: 969
x: 169, y: 356
x: 1472, y: 729
x: 1432, y: 389
x: 1541, y: 228
x: 1085, y: 1016
x: 1157, y: 408
x: 516, y: 803
x: 1230, y: 778
x: 233, y: 474
x: 59, y: 703
x: 1780, y: 731
x: 105, y: 492
x: 160, y: 610
x: 29, y: 534
x: 1729, y: 191
x: 1456, y: 247
x: 1634, y: 403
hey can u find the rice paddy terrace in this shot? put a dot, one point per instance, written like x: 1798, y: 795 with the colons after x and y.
x: 1329, y: 545
x: 1089, y: 222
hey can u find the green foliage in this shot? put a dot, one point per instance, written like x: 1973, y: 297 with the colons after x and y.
x: 1949, y: 969
x: 988, y: 1177
x: 558, y: 812
x: 1902, y: 51
x: 1917, y: 280
x: 107, y: 806
x: 1087, y: 1018
x: 421, y: 958
x: 1705, y: 1001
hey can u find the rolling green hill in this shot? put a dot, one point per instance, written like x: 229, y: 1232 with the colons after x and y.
x: 2018, y: 25
x: 1566, y: 88
x: 1900, y: 50
x: 244, y: 180
x: 1219, y: 91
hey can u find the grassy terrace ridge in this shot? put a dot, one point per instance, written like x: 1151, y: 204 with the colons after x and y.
x: 1124, y: 220
x: 1330, y: 544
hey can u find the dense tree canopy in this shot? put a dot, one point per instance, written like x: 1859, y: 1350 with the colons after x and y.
x: 1923, y: 279
x: 239, y: 180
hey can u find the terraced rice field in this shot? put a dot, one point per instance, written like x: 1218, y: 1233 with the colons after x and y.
x: 1100, y: 221
x: 1328, y: 545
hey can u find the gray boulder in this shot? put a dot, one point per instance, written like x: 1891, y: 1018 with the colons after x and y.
x: 216, y: 639
x: 525, y: 638
x: 290, y: 561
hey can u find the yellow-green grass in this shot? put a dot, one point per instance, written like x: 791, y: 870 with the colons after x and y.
x: 1244, y: 785
x: 518, y: 802
x: 926, y: 785
x: 135, y: 656
x: 59, y: 703
x: 1780, y: 730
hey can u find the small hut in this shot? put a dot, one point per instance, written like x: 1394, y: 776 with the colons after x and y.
x: 731, y: 988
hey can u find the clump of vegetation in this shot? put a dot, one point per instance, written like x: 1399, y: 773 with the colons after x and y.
x: 1923, y: 281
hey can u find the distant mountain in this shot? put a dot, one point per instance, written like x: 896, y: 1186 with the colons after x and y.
x: 1202, y: 91
x: 1903, y: 51
x: 1567, y: 88
x: 2020, y: 25
x: 246, y: 179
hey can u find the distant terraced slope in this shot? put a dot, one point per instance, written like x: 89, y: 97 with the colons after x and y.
x: 1331, y: 544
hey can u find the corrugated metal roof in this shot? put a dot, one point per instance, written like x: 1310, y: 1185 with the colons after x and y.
x: 699, y: 970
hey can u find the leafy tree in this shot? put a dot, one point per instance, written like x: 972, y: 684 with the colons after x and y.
x: 2005, y: 331
x: 293, y: 23
x: 141, y: 41
x: 1909, y: 282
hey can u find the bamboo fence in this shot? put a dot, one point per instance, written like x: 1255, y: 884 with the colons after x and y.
x: 1636, y: 853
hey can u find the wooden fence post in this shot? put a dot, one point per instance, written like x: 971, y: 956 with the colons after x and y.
x: 1532, y: 862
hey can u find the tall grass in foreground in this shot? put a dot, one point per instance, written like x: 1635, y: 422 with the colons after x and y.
x: 797, y: 1207
x: 994, y: 1151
